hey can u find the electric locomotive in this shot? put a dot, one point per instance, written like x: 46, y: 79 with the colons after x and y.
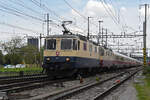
x: 67, y: 55
x: 70, y: 54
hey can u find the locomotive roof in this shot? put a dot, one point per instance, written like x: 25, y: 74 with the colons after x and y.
x: 61, y: 36
x: 81, y: 37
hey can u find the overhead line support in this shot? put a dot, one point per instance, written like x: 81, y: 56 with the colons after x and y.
x: 144, y: 36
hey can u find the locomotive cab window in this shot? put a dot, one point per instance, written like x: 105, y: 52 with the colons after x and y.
x: 101, y: 51
x: 66, y: 44
x: 51, y: 44
x: 95, y: 49
x: 106, y: 53
x: 90, y: 48
x: 84, y: 46
x: 74, y: 44
x: 78, y: 45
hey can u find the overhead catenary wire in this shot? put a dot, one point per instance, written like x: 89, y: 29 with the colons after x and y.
x: 60, y: 19
x: 119, y: 14
x: 26, y: 19
x: 19, y: 27
x: 148, y: 14
x: 108, y: 12
x: 21, y: 3
x: 129, y: 27
x: 81, y: 15
x: 76, y: 10
x: 12, y: 13
x: 44, y: 7
x: 19, y: 12
x: 84, y: 17
x: 20, y: 16
x: 111, y: 12
x: 125, y: 24
x: 116, y: 4
x: 115, y: 20
x: 4, y: 32
x: 113, y: 17
x: 126, y: 27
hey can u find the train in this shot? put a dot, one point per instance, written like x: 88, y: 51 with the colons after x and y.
x: 72, y: 55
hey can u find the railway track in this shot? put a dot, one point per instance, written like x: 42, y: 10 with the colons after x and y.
x: 53, y: 88
x: 96, y: 90
x: 21, y: 86
x: 19, y: 76
x: 14, y: 79
x: 16, y: 83
x: 33, y: 82
x: 106, y: 92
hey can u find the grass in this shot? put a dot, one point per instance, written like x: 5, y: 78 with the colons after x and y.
x: 15, y: 71
x: 26, y: 69
x: 143, y: 91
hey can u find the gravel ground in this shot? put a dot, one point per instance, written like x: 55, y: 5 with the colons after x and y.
x: 54, y: 88
x: 126, y: 91
x: 94, y: 91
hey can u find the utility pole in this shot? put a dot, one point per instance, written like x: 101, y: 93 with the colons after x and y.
x: 102, y: 36
x: 47, y: 20
x: 99, y: 34
x: 144, y: 36
x: 47, y: 24
x: 88, y: 28
x: 40, y: 50
x: 118, y: 45
x: 40, y: 41
x: 145, y: 30
x: 106, y: 38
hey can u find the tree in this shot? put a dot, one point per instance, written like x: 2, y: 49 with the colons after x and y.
x: 12, y: 45
x: 30, y: 54
x: 1, y: 58
x: 17, y: 52
x: 7, y: 59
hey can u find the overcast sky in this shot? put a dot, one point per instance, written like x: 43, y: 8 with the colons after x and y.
x: 26, y: 17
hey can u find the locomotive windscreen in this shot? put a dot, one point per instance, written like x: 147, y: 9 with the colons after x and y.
x: 51, y: 44
x: 66, y: 44
x: 74, y: 44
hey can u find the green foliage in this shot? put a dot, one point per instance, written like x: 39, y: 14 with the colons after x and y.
x: 13, y: 59
x: 143, y: 90
x: 16, y: 71
x: 16, y: 59
x: 26, y: 69
x: 10, y: 46
x: 146, y: 70
x: 19, y: 53
x: 30, y: 54
x: 1, y: 58
x: 7, y: 59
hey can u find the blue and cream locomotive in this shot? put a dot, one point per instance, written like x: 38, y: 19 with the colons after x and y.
x: 69, y: 54
x: 74, y: 54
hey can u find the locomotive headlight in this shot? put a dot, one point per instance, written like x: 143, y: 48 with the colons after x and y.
x: 67, y: 59
x: 48, y: 59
